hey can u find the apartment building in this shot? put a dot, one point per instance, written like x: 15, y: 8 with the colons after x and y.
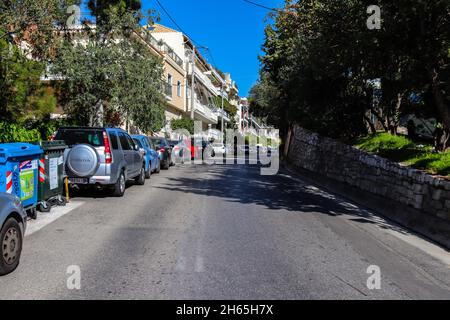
x: 173, y: 82
x: 205, y: 81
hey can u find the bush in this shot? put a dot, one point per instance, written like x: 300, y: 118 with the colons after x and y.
x: 401, y: 149
x: 185, y: 123
x: 383, y: 142
x: 17, y: 133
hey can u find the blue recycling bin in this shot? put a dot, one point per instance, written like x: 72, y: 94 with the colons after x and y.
x: 19, y: 171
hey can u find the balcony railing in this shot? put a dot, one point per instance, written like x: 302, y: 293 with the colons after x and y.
x: 205, y: 111
x: 206, y: 81
x: 169, y: 51
x: 164, y: 47
x: 222, y: 114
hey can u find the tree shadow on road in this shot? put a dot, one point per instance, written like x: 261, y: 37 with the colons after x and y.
x: 245, y: 185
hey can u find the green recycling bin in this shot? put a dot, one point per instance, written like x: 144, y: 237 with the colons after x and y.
x: 51, y: 175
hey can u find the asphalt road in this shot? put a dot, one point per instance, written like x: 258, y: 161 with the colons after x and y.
x: 225, y: 232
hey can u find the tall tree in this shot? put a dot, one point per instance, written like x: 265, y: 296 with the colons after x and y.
x: 322, y: 59
x: 111, y: 67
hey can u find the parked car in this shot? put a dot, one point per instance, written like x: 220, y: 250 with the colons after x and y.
x: 219, y: 148
x: 205, y: 150
x: 150, y: 155
x: 104, y: 157
x: 164, y: 150
x: 13, y: 222
x: 419, y: 127
x: 178, y: 150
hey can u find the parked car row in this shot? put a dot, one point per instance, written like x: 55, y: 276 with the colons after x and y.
x: 102, y: 157
x: 108, y: 157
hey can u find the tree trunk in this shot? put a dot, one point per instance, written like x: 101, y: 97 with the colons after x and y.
x: 443, y: 109
x: 370, y: 125
x: 395, y: 117
x: 379, y: 117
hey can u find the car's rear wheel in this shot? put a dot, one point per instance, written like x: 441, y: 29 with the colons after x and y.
x: 140, y: 179
x: 167, y: 165
x: 10, y: 246
x: 119, y: 187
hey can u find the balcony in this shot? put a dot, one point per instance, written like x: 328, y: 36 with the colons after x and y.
x: 169, y: 51
x: 222, y: 114
x: 204, y: 79
x: 205, y: 113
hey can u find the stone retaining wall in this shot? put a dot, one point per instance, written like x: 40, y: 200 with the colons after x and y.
x: 338, y: 161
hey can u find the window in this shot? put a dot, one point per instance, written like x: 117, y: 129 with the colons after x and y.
x: 150, y: 144
x: 130, y: 141
x: 179, y: 88
x: 136, y: 141
x: 144, y: 143
x: 79, y: 136
x: 168, y: 86
x: 114, y: 142
x: 124, y: 141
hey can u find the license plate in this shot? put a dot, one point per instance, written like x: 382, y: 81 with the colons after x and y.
x: 79, y: 180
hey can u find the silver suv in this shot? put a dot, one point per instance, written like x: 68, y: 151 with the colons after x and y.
x: 13, y: 221
x: 104, y: 157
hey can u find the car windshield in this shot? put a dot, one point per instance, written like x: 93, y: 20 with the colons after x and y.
x: 80, y: 136
x: 159, y: 142
x: 174, y: 142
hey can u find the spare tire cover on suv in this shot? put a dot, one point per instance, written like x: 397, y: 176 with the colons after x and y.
x: 83, y: 160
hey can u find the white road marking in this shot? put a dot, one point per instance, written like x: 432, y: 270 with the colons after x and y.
x: 44, y: 219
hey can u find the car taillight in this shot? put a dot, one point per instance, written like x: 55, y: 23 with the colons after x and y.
x: 108, y: 155
x: 162, y: 150
x: 53, y: 136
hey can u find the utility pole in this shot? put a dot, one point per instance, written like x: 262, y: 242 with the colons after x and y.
x: 192, y: 83
x: 223, y: 129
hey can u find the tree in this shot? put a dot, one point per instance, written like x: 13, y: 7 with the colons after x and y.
x: 113, y: 73
x: 23, y: 97
x: 102, y: 9
x: 320, y: 61
x: 33, y: 22
x: 27, y: 39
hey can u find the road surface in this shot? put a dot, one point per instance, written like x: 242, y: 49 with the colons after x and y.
x: 225, y: 232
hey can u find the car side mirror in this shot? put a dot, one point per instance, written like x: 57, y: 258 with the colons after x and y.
x: 136, y: 147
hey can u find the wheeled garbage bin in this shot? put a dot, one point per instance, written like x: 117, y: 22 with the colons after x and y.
x: 19, y: 173
x: 51, y: 175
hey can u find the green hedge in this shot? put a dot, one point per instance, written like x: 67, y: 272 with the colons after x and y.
x: 17, y: 133
x: 21, y: 133
x: 184, y: 123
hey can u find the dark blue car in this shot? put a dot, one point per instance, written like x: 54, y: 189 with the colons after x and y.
x: 152, y: 163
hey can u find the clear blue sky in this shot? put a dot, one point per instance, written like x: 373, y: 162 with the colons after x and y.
x: 232, y: 29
